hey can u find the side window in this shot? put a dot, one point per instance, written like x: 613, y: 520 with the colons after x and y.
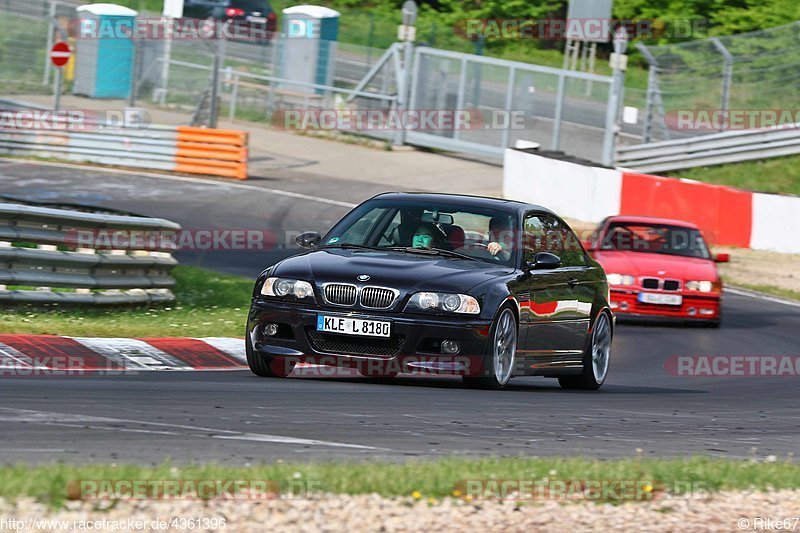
x: 535, y: 237
x: 357, y: 233
x: 390, y: 235
x: 544, y: 233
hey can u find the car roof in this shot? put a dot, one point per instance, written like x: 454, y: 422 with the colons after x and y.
x: 632, y: 219
x: 465, y: 199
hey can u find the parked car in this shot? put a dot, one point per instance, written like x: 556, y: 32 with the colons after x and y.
x: 483, y: 288
x: 246, y: 15
x: 659, y: 268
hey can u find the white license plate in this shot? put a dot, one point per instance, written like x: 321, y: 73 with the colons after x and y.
x: 257, y: 20
x: 660, y: 299
x: 354, y: 326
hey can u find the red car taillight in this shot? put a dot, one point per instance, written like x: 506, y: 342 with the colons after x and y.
x: 234, y: 12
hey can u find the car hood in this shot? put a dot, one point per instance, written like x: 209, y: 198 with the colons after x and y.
x: 403, y: 271
x: 642, y: 264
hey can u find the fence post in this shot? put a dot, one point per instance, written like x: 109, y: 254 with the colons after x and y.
x: 555, y: 141
x: 652, y: 91
x: 47, y: 65
x: 234, y: 97
x: 614, y: 97
x: 727, y: 74
x: 512, y: 74
x: 647, y: 134
x: 219, y: 59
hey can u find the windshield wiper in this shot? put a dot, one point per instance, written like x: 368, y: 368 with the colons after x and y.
x: 433, y: 251
x: 349, y: 246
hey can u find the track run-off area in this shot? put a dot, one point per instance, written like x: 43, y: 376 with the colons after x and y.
x: 646, y: 407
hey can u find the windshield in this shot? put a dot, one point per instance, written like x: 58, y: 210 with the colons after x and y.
x: 655, y: 239
x: 452, y: 229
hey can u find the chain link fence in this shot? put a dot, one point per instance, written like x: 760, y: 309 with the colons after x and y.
x: 558, y: 109
x: 747, y: 72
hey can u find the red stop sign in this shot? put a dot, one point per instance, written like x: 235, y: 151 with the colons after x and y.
x: 60, y: 54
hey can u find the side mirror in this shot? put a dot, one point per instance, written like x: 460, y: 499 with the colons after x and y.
x: 722, y: 258
x: 544, y: 261
x: 308, y: 239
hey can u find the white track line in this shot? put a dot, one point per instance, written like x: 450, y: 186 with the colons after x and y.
x: 68, y: 420
x: 188, y: 179
x: 761, y: 296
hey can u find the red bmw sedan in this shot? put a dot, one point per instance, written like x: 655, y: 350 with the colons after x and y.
x: 659, y: 268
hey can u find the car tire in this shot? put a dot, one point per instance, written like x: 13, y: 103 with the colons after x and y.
x: 596, y: 357
x: 497, y: 367
x: 265, y: 366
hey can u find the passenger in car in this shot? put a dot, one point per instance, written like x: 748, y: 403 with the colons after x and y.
x: 427, y: 236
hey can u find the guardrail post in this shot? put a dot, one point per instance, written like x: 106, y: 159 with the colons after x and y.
x: 727, y: 74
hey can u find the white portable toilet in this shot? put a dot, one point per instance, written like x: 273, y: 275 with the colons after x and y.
x: 309, y: 36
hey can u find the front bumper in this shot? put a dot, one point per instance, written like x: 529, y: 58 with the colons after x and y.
x: 695, y: 307
x: 414, y: 345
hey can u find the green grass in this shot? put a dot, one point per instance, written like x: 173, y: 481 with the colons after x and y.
x: 207, y: 305
x: 776, y: 175
x: 421, y: 479
x: 769, y: 289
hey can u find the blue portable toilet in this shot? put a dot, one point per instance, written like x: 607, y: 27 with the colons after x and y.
x: 309, y: 36
x: 105, y: 51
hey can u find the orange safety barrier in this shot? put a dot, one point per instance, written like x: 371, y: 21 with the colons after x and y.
x: 213, y: 152
x: 723, y: 213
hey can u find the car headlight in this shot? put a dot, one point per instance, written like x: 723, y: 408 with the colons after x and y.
x: 283, y: 288
x: 704, y: 286
x: 620, y: 279
x: 443, y: 301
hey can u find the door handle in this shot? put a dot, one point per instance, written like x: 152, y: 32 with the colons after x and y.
x: 572, y: 282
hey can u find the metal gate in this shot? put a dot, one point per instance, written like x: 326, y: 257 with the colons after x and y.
x: 559, y: 109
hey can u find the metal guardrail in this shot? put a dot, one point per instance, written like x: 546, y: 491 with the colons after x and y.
x: 46, y: 257
x: 714, y: 149
x: 172, y: 148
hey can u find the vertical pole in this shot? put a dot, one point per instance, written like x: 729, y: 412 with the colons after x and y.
x: 727, y: 74
x: 652, y: 91
x: 135, y: 72
x: 234, y: 97
x: 460, y: 95
x: 165, y: 58
x: 648, y: 109
x: 408, y: 58
x: 556, y: 140
x: 512, y: 74
x: 57, y: 95
x: 213, y: 115
x: 50, y: 31
x: 614, y: 99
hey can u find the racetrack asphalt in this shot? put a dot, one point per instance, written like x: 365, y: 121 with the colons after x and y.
x: 237, y: 418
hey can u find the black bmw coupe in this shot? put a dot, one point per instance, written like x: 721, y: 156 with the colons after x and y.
x: 483, y: 288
